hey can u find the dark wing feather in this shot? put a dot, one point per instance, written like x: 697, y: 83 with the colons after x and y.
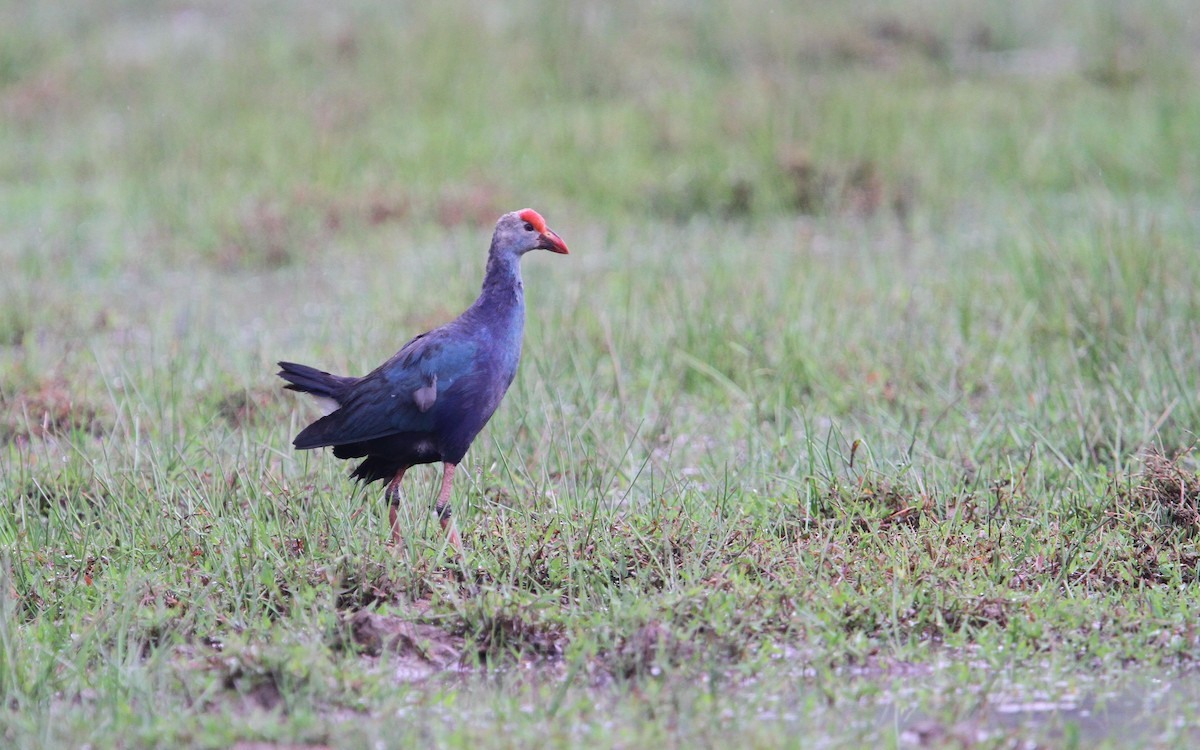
x: 389, y: 400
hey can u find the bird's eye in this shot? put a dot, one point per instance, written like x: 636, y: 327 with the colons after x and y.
x: 528, y: 227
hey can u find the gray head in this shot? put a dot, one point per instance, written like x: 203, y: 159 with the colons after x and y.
x: 519, y: 232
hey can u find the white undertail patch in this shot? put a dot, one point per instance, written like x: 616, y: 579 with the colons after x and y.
x: 328, y: 405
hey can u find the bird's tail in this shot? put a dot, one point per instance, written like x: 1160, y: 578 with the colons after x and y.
x: 307, y: 379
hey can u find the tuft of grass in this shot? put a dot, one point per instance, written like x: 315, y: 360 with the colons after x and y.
x: 1169, y: 488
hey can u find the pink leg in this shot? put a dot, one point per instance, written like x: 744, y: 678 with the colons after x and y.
x: 393, y: 497
x: 443, y: 508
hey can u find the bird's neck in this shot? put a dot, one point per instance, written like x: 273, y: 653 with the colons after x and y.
x: 502, y: 288
x: 502, y: 279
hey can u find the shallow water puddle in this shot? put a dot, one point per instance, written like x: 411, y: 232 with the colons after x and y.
x: 946, y: 703
x: 1136, y: 708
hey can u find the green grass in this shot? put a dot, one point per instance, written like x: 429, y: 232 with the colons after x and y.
x: 863, y: 412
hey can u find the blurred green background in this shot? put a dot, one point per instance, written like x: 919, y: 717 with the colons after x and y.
x: 249, y: 133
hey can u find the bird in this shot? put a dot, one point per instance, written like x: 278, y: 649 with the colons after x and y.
x: 431, y: 399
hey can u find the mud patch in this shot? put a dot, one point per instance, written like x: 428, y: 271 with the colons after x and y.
x: 47, y: 409
x: 415, y: 651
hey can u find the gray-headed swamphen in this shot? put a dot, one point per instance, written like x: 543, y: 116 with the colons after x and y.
x: 429, y: 401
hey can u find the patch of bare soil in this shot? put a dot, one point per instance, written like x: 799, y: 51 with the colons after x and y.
x: 49, y: 408
x: 415, y: 650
